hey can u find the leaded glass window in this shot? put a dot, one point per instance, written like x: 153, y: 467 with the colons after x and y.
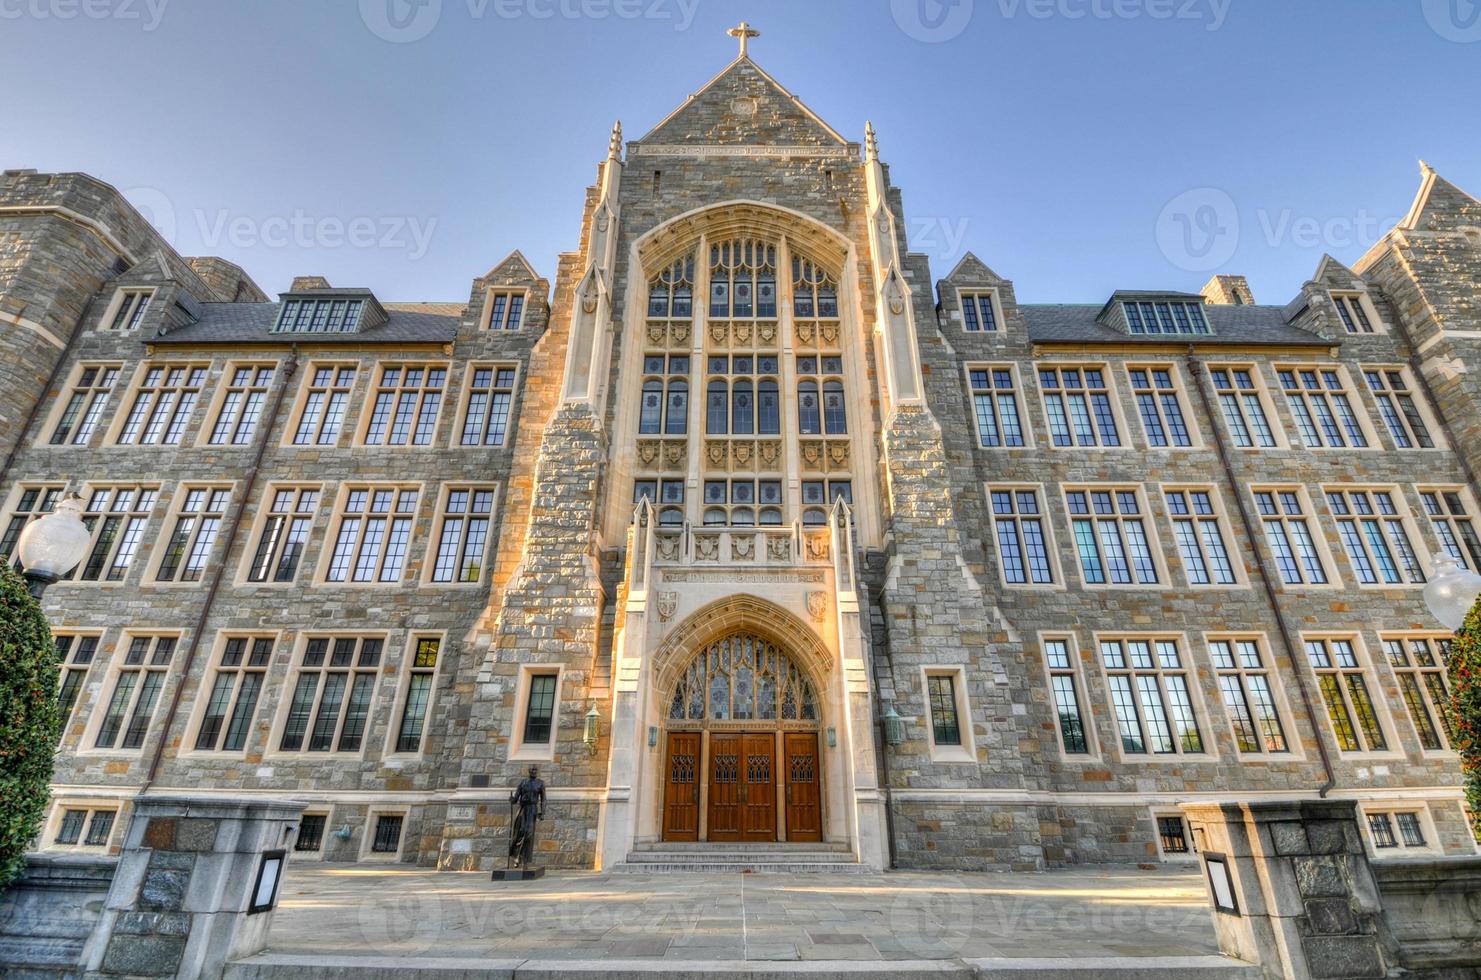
x: 743, y: 678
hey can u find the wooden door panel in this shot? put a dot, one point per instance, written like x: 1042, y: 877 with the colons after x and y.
x: 804, y: 801
x: 724, y: 810
x: 759, y: 821
x: 681, y: 790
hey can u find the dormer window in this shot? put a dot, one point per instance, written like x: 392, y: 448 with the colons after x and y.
x: 1353, y: 312
x: 506, y: 310
x: 303, y: 315
x: 132, y: 305
x: 1165, y: 317
x: 978, y: 313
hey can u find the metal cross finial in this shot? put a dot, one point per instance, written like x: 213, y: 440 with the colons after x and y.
x: 745, y: 32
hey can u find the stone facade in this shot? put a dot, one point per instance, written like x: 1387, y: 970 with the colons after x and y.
x: 392, y: 668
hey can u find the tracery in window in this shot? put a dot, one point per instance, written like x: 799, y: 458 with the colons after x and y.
x: 743, y: 678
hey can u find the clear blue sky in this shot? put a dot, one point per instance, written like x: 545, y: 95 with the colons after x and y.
x: 1048, y: 136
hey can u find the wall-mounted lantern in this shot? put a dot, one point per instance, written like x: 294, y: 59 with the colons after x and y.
x: 894, y: 727
x: 592, y: 730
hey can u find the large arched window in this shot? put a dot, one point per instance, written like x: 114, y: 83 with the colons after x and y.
x: 809, y: 421
x: 651, y: 418
x: 835, y: 419
x: 743, y: 678
x: 742, y: 409
x: 718, y: 408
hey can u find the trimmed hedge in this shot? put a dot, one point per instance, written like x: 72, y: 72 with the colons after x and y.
x: 30, y: 722
x: 1465, y: 707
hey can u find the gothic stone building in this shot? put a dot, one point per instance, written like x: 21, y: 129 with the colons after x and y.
x: 744, y: 529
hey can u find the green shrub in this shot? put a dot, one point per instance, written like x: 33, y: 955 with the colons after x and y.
x: 1465, y: 707
x: 30, y: 723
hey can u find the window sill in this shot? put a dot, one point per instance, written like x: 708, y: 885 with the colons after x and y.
x: 953, y: 753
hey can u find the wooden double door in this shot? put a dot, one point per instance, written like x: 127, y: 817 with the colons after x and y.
x: 749, y: 785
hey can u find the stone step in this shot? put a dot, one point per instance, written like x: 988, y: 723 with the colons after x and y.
x: 769, y: 847
x: 284, y: 966
x: 838, y: 864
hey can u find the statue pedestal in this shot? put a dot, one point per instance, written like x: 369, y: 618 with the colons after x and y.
x: 518, y: 874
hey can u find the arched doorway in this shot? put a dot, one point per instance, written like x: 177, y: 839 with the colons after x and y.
x: 741, y: 760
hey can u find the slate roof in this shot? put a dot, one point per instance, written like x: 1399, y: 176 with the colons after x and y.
x: 251, y: 323
x: 1241, y: 325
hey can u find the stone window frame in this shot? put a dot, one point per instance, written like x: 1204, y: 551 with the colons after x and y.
x: 1349, y: 388
x: 327, y: 812
x: 1434, y: 637
x: 1095, y: 754
x: 272, y: 751
x: 225, y: 387
x: 465, y: 397
x: 1179, y: 392
x: 1173, y: 857
x: 1416, y: 541
x: 113, y: 667
x: 348, y: 423
x: 995, y: 299
x: 127, y: 296
x: 1051, y: 544
x: 404, y: 671
x: 409, y: 572
x: 107, y: 410
x: 179, y: 495
x: 264, y: 514
x: 197, y: 716
x: 1381, y: 695
x: 132, y: 392
x: 518, y: 750
x: 1196, y: 673
x: 360, y: 432
x: 1025, y: 424
x: 1233, y: 551
x: 434, y: 536
x: 1433, y: 428
x: 1149, y: 518
x: 1263, y: 394
x: 1113, y: 397
x: 68, y: 666
x: 93, y: 805
x: 1295, y: 750
x: 1314, y: 527
x: 486, y: 315
x: 367, y: 838
x: 967, y: 750
x: 1365, y: 308
x: 120, y: 543
x: 1452, y: 520
x: 1401, y: 851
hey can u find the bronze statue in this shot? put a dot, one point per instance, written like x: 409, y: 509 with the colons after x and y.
x: 527, y: 806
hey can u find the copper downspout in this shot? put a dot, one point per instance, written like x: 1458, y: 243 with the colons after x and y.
x: 1201, y: 383
x: 290, y: 368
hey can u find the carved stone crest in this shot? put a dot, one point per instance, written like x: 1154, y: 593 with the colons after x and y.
x: 742, y: 548
x: 817, y: 605
x: 589, y: 299
x: 668, y: 602
x: 778, y: 548
x: 668, y: 547
x: 707, y: 548
x: 817, y: 547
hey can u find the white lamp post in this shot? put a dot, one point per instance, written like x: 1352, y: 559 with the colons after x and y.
x: 1451, y: 592
x: 53, y: 545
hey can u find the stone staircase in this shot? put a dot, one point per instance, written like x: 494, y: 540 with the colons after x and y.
x: 663, y: 858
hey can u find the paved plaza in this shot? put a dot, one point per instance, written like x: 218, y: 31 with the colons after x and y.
x: 1084, y: 914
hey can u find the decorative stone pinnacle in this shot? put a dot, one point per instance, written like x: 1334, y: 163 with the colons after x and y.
x: 1425, y: 169
x: 745, y: 32
x: 614, y: 148
x: 871, y: 142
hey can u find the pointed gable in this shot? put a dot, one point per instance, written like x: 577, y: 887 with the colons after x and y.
x: 514, y: 270
x: 1334, y: 275
x: 973, y: 271
x: 1441, y: 206
x: 743, y: 105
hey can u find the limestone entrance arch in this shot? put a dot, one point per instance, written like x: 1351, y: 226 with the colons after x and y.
x: 742, y: 696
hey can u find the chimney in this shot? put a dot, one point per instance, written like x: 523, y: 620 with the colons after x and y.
x: 1228, y: 291
x: 304, y: 283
